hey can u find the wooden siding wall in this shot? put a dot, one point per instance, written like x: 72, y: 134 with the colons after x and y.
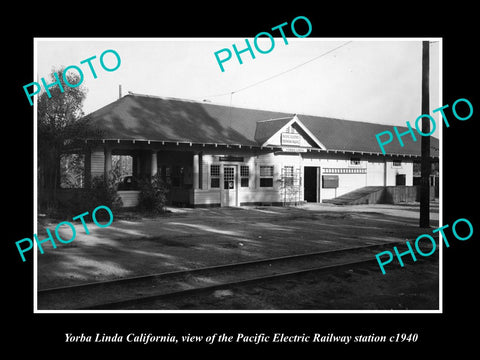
x: 378, y: 173
x: 206, y: 196
x: 346, y: 181
x: 406, y: 168
x: 205, y: 173
x: 129, y: 197
x: 97, y: 161
x: 395, y: 195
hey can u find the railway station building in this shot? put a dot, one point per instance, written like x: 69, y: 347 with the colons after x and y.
x: 217, y: 155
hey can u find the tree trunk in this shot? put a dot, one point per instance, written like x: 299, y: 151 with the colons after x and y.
x: 49, y: 168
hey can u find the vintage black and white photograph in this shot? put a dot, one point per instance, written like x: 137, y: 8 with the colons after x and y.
x: 269, y: 174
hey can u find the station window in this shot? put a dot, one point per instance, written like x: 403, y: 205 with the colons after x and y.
x: 397, y: 163
x: 244, y: 175
x: 214, y: 176
x: 266, y: 176
x: 288, y: 175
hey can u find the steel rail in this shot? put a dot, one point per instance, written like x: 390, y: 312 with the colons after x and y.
x: 217, y: 269
x: 137, y: 300
x: 214, y: 267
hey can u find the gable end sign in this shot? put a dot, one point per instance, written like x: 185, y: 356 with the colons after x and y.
x: 290, y: 139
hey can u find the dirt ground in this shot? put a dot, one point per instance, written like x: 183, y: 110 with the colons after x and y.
x: 191, y: 238
x: 413, y: 287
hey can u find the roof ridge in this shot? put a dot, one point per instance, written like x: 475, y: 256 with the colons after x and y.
x: 208, y: 102
x: 252, y: 108
x: 264, y: 110
x: 161, y: 97
x: 275, y: 119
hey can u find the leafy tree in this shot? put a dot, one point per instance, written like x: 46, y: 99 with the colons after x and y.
x: 60, y: 128
x: 73, y: 170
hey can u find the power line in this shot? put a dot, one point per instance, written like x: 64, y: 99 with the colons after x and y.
x: 283, y: 72
x: 217, y: 95
x: 293, y: 68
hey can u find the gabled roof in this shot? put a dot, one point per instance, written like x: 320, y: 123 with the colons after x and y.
x: 266, y: 128
x: 141, y: 117
x: 269, y: 128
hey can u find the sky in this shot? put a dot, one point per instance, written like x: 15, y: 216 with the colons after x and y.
x: 371, y: 80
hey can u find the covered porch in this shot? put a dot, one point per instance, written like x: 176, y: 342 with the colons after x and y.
x: 176, y: 164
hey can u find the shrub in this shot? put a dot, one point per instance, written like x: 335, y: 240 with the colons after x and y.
x: 153, y: 195
x: 102, y: 192
x: 78, y: 201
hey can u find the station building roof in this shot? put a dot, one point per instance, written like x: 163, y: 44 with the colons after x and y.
x: 144, y: 117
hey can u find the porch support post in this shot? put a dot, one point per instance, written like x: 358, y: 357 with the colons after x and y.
x: 196, y: 171
x: 153, y: 168
x: 107, y: 152
x: 88, y: 167
x: 135, y: 172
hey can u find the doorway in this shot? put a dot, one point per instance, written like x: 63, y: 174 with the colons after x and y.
x: 311, y: 183
x: 400, y: 179
x: 229, y: 189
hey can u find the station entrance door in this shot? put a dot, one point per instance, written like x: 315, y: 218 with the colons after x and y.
x: 311, y: 183
x: 229, y: 186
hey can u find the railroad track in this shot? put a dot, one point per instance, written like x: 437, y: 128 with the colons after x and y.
x: 115, y: 294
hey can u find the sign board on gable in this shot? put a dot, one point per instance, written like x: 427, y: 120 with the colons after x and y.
x: 290, y: 139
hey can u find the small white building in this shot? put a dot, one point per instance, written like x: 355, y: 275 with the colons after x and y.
x: 215, y: 155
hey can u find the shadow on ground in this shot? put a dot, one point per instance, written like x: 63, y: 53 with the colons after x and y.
x: 203, y: 237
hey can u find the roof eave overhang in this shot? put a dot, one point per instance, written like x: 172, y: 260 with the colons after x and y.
x: 178, y: 143
x: 373, y: 153
x: 249, y: 146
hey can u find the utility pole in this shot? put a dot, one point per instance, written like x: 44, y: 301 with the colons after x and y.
x: 425, y: 159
